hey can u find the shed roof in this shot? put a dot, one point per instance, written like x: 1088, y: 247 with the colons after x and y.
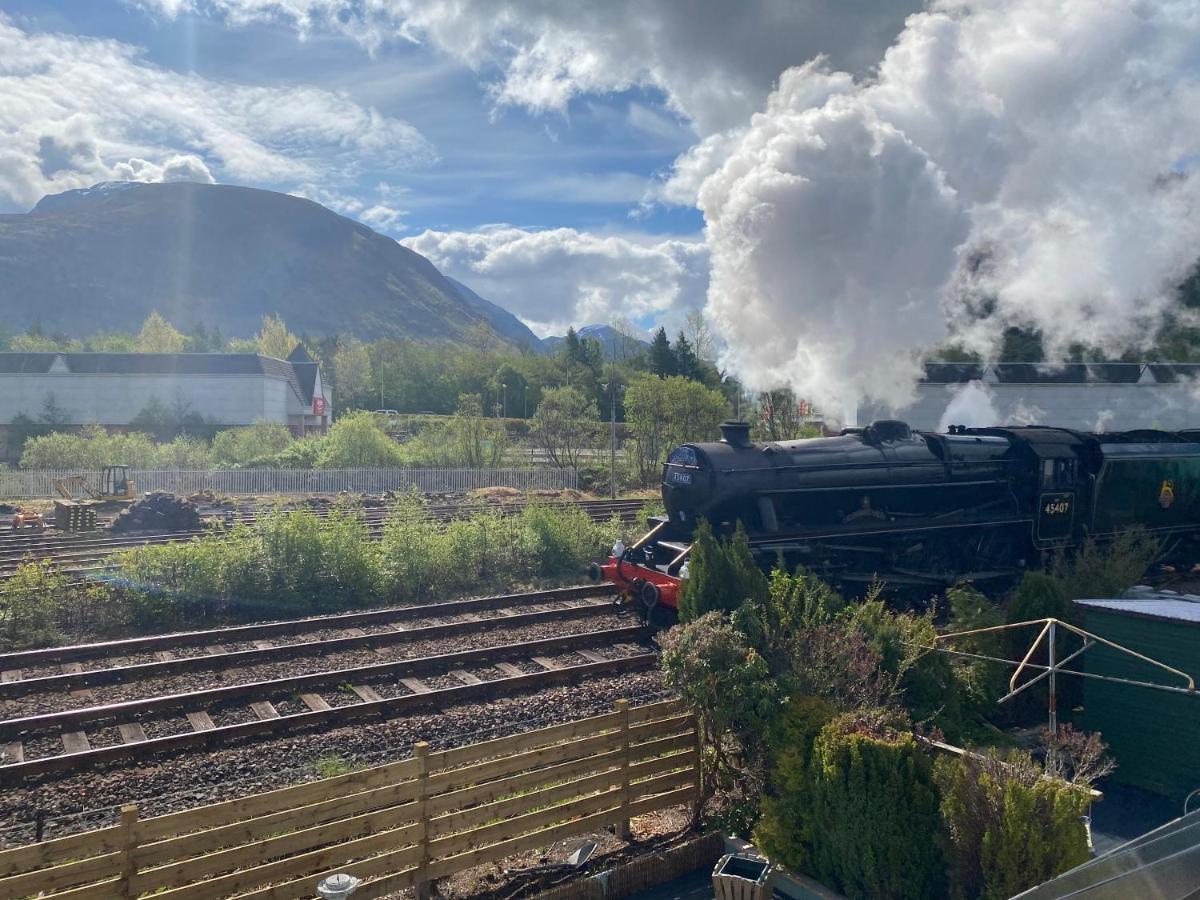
x: 1166, y: 607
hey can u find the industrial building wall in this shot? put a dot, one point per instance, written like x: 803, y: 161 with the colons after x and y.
x: 1087, y: 407
x: 117, y: 399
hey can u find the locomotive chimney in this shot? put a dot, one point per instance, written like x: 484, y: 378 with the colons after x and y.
x: 736, y: 434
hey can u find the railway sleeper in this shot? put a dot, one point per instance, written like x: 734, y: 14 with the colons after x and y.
x: 17, y: 772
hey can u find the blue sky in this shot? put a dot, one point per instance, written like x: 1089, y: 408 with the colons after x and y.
x: 546, y: 152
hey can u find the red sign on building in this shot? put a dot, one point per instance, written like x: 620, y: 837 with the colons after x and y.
x: 318, y: 406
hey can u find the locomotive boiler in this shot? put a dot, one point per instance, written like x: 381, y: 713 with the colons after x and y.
x: 915, y: 510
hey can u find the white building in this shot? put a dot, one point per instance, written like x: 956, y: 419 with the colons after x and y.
x: 111, y: 389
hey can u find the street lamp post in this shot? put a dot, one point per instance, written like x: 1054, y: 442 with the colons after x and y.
x: 504, y: 389
x: 611, y: 387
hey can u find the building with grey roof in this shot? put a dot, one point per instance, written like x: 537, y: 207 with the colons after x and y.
x: 111, y: 389
x: 1085, y: 396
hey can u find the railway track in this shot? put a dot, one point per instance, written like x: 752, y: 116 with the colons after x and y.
x: 81, y: 732
x: 81, y: 554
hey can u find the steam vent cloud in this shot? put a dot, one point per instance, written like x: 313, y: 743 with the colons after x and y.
x: 1036, y: 155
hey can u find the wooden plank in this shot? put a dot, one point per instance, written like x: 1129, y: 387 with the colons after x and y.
x: 132, y: 732
x: 315, y: 702
x: 313, y: 861
x: 14, y: 752
x: 10, y: 675
x: 215, y: 650
x: 354, y: 632
x: 200, y: 721
x: 662, y: 801
x: 591, y: 655
x: 416, y: 685
x: 490, y: 834
x: 510, y: 763
x: 164, y: 656
x: 66, y: 875
x: 505, y: 786
x: 396, y: 866
x: 101, y: 890
x: 272, y: 824
x: 75, y: 742
x: 73, y: 846
x: 508, y: 668
x: 510, y: 806
x: 546, y: 836
x: 460, y: 756
x: 392, y: 821
x: 546, y: 662
x: 466, y: 677
x: 264, y: 709
x: 262, y: 645
x: 190, y: 820
x: 366, y: 692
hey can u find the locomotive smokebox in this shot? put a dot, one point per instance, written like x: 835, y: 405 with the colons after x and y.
x: 735, y: 434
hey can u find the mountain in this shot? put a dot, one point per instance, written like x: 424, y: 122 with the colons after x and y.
x: 614, y: 343
x: 502, y: 321
x: 101, y: 259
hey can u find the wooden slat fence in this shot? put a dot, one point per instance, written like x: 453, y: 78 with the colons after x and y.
x: 31, y: 484
x: 396, y: 826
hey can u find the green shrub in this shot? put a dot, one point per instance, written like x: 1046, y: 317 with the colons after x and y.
x: 250, y: 445
x: 356, y: 441
x: 1105, y: 570
x: 31, y: 606
x: 93, y: 447
x: 1007, y: 828
x: 784, y: 832
x: 721, y: 574
x: 874, y: 816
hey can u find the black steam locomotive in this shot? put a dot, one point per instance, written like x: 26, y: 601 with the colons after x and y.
x: 915, y: 509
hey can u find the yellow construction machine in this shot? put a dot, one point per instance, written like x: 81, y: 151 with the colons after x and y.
x: 76, y: 511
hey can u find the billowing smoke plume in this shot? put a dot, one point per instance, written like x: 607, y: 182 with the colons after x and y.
x: 972, y: 406
x: 1013, y: 162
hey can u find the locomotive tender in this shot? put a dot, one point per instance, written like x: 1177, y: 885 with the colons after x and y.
x: 914, y: 509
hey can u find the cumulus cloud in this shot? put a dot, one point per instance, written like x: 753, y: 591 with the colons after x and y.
x: 559, y: 277
x: 76, y: 110
x: 714, y: 61
x: 1024, y: 159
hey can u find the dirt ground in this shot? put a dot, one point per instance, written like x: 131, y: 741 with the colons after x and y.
x: 651, y: 832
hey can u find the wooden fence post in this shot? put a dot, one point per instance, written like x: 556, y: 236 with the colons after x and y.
x: 623, y: 832
x: 129, y: 841
x: 699, y: 783
x: 421, y: 754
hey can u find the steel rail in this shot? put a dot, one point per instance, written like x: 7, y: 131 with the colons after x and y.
x: 231, y: 659
x: 207, y: 697
x: 15, y: 773
x: 23, y: 658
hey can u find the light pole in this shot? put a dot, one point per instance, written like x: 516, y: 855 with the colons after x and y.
x: 504, y: 402
x: 611, y: 387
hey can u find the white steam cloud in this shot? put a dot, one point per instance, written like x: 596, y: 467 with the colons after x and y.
x: 1027, y: 159
x: 972, y: 406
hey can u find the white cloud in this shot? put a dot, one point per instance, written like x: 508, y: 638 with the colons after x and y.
x: 1017, y: 150
x: 77, y: 110
x: 559, y: 277
x: 714, y: 61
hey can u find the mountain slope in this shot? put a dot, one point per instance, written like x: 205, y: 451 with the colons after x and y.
x: 502, y: 321
x: 614, y: 343
x: 101, y: 259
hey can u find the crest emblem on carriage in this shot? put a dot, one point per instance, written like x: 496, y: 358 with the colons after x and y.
x: 1166, y: 494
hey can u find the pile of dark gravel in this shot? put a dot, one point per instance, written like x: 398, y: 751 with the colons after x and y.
x: 158, y: 511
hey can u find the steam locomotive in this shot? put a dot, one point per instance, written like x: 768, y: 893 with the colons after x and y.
x: 915, y: 510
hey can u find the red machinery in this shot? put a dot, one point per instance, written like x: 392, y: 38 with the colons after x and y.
x: 655, y: 591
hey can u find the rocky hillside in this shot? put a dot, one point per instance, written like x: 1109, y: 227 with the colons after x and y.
x: 101, y: 259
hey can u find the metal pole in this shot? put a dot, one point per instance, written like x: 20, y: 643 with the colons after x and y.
x: 1053, y: 679
x: 612, y: 445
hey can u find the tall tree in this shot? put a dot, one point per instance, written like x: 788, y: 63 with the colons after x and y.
x: 687, y: 363
x: 159, y: 336
x: 352, y: 366
x: 274, y: 339
x: 662, y: 360
x: 699, y: 332
x: 565, y: 424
